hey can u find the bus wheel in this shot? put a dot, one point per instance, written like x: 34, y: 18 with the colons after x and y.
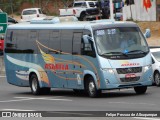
x: 91, y: 88
x: 140, y: 90
x: 34, y: 84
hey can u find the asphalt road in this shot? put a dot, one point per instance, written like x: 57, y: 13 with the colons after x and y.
x: 64, y: 103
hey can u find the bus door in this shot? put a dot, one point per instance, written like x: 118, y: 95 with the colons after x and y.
x: 77, y: 61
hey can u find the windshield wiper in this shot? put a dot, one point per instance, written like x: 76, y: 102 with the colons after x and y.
x: 136, y: 51
x: 115, y: 53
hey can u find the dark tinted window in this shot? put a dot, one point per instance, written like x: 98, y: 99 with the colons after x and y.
x: 29, y: 12
x: 91, y: 4
x: 54, y: 42
x: 40, y: 11
x: 22, y: 39
x: 66, y: 41
x: 31, y: 42
x: 80, y: 4
x: 11, y: 39
x: 18, y: 41
x: 43, y: 38
x: 77, y: 38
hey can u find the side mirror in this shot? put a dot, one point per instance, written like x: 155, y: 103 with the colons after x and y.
x: 86, y: 39
x: 147, y: 34
x: 87, y: 43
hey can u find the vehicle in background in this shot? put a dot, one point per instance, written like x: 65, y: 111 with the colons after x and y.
x: 118, y: 16
x: 156, y: 65
x: 1, y: 44
x: 30, y: 13
x: 11, y: 20
x: 83, y: 10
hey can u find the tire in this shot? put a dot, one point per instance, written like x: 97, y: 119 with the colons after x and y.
x: 157, y: 78
x: 35, y: 88
x: 140, y: 90
x: 34, y: 85
x: 83, y: 17
x: 91, y: 88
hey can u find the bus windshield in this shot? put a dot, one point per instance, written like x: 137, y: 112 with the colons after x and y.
x: 120, y: 41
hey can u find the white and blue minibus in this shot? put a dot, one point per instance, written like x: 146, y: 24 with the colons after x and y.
x: 78, y: 55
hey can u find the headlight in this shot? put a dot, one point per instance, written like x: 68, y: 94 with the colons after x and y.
x: 146, y: 68
x: 109, y: 70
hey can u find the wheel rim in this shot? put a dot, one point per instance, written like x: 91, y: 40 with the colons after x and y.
x: 91, y: 88
x: 157, y: 79
x: 34, y: 85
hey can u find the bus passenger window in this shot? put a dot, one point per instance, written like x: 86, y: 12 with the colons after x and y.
x: 66, y: 41
x: 43, y: 38
x: 11, y: 39
x: 54, y: 42
x: 77, y: 38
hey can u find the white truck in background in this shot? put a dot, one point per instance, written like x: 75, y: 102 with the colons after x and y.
x: 83, y: 10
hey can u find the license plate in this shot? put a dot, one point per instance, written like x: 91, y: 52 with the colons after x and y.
x: 130, y: 75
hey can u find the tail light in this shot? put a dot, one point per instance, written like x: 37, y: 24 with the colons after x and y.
x: 74, y: 11
x: 37, y: 15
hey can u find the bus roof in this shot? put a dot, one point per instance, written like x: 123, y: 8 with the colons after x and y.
x: 98, y: 24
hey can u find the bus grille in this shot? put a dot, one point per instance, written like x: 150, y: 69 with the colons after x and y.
x: 129, y: 79
x: 129, y: 70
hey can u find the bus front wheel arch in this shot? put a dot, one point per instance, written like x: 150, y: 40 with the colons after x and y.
x: 35, y: 87
x: 90, y: 87
x: 34, y: 84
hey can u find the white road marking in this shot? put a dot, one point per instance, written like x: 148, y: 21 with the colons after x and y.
x: 44, y: 98
x: 142, y: 118
x: 16, y: 110
x: 132, y: 103
x: 5, y: 101
x: 31, y: 98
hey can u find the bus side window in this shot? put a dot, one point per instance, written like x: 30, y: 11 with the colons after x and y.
x: 31, y: 42
x: 11, y: 40
x: 66, y: 41
x: 22, y: 38
x: 54, y: 41
x: 77, y: 38
x: 43, y: 38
